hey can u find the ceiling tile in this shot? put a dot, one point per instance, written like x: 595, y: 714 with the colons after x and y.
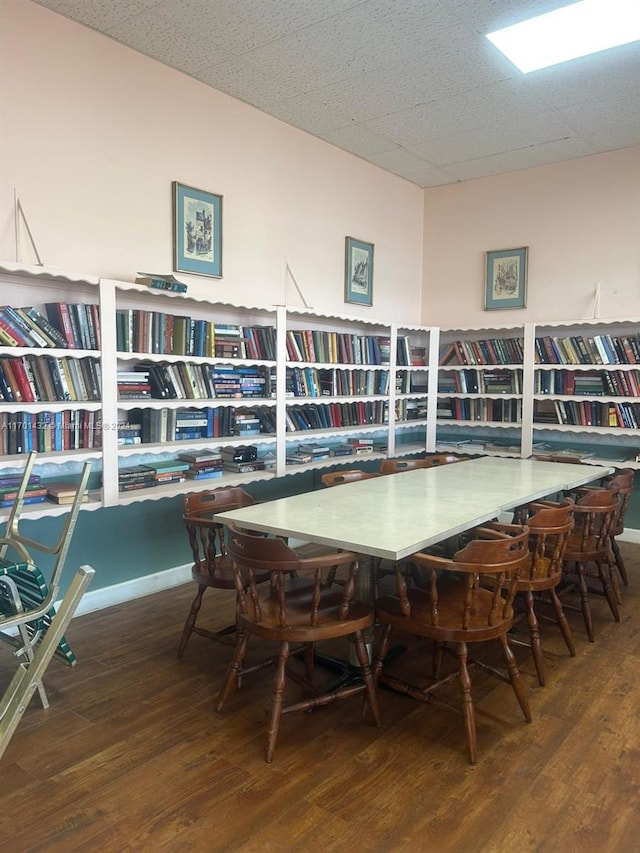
x: 410, y: 166
x: 241, y: 80
x: 461, y: 114
x: 590, y: 77
x: 607, y: 123
x: 308, y: 114
x: 242, y: 26
x: 523, y: 158
x: 370, y: 35
x: 156, y: 37
x: 501, y: 136
x: 453, y: 65
x: 95, y: 13
x: 358, y: 140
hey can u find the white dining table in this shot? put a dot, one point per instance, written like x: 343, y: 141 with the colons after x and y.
x: 396, y: 515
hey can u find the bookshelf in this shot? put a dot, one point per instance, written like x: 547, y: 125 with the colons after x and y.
x: 50, y: 385
x: 586, y: 388
x: 300, y: 386
x: 207, y: 370
x: 482, y: 390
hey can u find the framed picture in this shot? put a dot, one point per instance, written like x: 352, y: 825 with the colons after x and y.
x: 358, y: 272
x: 506, y: 279
x: 197, y: 231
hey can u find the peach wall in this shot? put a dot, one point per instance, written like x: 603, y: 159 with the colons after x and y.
x: 93, y: 134
x: 580, y: 220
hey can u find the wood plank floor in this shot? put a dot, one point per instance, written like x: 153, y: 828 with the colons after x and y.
x: 131, y: 755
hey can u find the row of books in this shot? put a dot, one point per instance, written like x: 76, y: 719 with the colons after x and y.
x: 332, y: 415
x: 587, y: 413
x: 47, y: 378
x: 63, y: 325
x: 151, y: 426
x: 334, y: 382
x: 599, y: 349
x: 157, y: 332
x: 489, y: 351
x: 306, y: 453
x: 614, y: 383
x: 480, y: 382
x: 22, y: 432
x: 411, y: 410
x: 187, y: 381
x: 465, y: 409
x: 37, y: 491
x: 315, y: 345
x: 204, y: 465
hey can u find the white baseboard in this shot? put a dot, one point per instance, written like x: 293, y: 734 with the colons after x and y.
x: 97, y: 599
x: 630, y: 535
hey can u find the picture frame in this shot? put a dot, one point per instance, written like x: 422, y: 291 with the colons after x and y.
x: 506, y: 279
x: 197, y: 231
x: 358, y: 272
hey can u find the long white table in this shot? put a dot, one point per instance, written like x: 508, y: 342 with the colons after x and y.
x: 396, y: 515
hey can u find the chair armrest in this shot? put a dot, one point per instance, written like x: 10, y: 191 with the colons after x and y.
x: 327, y: 561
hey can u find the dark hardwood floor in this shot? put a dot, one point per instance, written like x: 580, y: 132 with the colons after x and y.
x: 131, y: 755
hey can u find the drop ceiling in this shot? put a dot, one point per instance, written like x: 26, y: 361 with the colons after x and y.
x: 409, y: 85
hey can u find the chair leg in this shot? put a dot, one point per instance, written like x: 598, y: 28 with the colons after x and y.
x: 604, y: 571
x: 466, y: 703
x: 615, y: 582
x: 437, y: 656
x: 276, y: 701
x: 584, y: 600
x: 191, y: 619
x: 235, y: 667
x: 514, y: 678
x: 620, y: 565
x: 381, y: 652
x: 367, y: 676
x: 308, y: 660
x: 562, y: 622
x: 534, y: 634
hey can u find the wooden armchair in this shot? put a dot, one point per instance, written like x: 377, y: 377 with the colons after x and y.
x: 212, y: 567
x: 589, y: 543
x: 468, y: 599
x: 297, y: 607
x: 550, y: 525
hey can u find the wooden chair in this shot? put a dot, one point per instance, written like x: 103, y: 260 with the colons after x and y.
x: 298, y: 609
x: 622, y: 484
x: 212, y: 567
x: 467, y: 600
x: 337, y: 478
x: 550, y: 525
x: 594, y: 514
x: 395, y: 466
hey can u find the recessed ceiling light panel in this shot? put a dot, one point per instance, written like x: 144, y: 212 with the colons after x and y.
x: 567, y: 33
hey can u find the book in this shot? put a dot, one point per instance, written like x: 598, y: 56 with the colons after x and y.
x: 167, y: 466
x: 244, y: 467
x: 64, y: 493
x: 161, y: 282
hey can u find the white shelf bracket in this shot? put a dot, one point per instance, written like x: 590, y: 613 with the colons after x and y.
x: 290, y: 275
x: 19, y: 216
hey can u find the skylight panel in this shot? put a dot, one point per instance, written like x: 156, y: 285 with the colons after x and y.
x: 568, y: 33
